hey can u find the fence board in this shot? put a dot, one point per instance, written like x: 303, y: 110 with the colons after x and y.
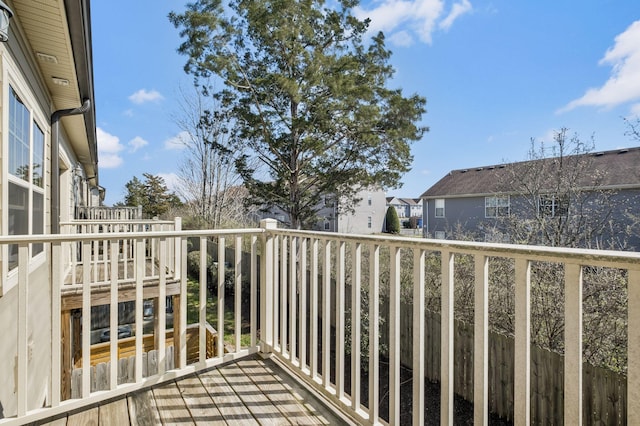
x: 604, y: 392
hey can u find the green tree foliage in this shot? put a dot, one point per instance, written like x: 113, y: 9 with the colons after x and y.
x: 152, y: 194
x: 308, y: 97
x: 392, y: 223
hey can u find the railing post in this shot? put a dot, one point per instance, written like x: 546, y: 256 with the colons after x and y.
x: 177, y: 254
x: 266, y: 287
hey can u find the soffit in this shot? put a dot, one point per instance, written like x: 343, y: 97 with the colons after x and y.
x: 46, y: 28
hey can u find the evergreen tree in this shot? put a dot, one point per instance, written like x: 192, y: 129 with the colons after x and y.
x: 392, y: 222
x: 307, y: 97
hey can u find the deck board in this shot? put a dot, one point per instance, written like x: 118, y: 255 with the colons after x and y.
x: 281, y: 397
x: 142, y: 409
x: 171, y: 406
x: 202, y: 408
x: 114, y: 413
x: 254, y: 399
x: 249, y: 391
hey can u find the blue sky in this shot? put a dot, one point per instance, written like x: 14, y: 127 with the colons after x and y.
x: 495, y: 74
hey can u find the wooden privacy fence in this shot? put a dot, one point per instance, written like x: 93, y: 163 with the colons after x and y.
x: 100, y: 366
x: 604, y: 391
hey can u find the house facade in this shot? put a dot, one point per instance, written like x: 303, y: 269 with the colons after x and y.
x: 366, y: 217
x: 48, y: 163
x: 598, y: 191
x: 407, y: 208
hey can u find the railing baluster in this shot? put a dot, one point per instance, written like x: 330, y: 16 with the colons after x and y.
x: 293, y: 302
x: 221, y: 294
x: 181, y: 332
x: 202, y: 304
x: 340, y: 318
x: 313, y: 302
x: 572, y: 344
x: 522, y: 357
x: 481, y: 342
x: 86, y: 323
x: 238, y: 293
x: 326, y: 315
x: 418, y: 337
x: 356, y: 260
x: 56, y: 327
x: 394, y: 335
x: 161, y: 330
x: 446, y: 345
x: 140, y: 268
x: 633, y: 348
x: 253, y: 319
x: 303, y: 304
x: 276, y: 294
x: 23, y: 327
x: 113, y: 318
x: 374, y: 314
x: 283, y: 296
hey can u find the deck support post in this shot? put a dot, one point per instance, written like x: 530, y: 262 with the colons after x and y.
x: 266, y: 288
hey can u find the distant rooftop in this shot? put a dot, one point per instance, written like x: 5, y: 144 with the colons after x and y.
x: 618, y: 168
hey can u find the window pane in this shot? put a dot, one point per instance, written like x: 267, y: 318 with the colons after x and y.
x: 38, y: 220
x: 18, y: 218
x: 18, y: 137
x: 38, y: 156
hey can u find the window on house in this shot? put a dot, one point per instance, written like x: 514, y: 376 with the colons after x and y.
x: 26, y: 176
x: 439, y: 235
x: 440, y: 207
x: 369, y: 199
x: 553, y: 205
x: 369, y: 222
x: 326, y: 225
x: 496, y: 206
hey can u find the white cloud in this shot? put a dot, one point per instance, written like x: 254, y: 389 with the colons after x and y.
x: 128, y: 112
x: 635, y: 110
x: 171, y: 180
x: 624, y: 83
x: 457, y: 10
x: 142, y: 96
x: 179, y: 141
x: 401, y: 38
x: 108, y: 148
x: 137, y: 143
x: 419, y: 18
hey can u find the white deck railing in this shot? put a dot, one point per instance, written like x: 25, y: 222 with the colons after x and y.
x: 302, y: 294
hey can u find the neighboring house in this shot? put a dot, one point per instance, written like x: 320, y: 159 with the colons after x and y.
x: 475, y: 202
x: 367, y: 216
x: 48, y: 162
x: 406, y: 209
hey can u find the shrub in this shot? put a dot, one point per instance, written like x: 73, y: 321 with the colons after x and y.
x: 392, y: 223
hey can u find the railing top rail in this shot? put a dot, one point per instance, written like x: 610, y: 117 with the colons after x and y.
x: 630, y: 260
x: 117, y: 221
x: 44, y: 238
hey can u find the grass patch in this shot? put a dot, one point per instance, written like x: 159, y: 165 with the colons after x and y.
x: 193, y: 306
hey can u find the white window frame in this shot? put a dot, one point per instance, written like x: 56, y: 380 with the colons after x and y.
x: 13, y: 77
x: 439, y: 235
x: 494, y: 206
x: 551, y: 205
x: 369, y: 222
x: 29, y: 185
x: 439, y: 207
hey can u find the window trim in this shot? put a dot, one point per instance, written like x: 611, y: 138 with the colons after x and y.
x: 436, y: 208
x: 497, y: 206
x: 14, y: 88
x: 559, y: 205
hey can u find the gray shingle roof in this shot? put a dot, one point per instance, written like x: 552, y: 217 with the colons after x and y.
x: 618, y: 168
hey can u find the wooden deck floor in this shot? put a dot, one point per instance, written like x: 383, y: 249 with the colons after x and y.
x: 248, y: 391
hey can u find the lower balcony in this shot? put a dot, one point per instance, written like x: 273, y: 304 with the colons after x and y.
x: 345, y: 328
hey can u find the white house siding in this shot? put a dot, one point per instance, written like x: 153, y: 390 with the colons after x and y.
x: 17, y: 70
x: 358, y: 221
